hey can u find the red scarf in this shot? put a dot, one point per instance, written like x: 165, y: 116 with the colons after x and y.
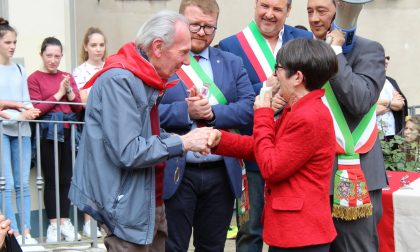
x: 128, y: 57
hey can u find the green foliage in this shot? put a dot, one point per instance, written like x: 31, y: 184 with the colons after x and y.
x: 400, y: 155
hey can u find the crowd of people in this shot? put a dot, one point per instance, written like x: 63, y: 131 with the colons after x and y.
x: 280, y: 119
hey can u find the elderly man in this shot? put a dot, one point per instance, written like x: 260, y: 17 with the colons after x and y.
x: 119, y: 168
x: 356, y: 87
x: 258, y: 45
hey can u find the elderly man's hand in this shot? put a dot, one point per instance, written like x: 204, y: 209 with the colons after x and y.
x: 196, y: 140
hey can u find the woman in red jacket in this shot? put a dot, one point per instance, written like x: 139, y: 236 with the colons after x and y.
x: 296, y: 152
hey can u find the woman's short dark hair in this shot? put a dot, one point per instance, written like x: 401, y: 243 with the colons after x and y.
x: 50, y: 41
x: 314, y: 58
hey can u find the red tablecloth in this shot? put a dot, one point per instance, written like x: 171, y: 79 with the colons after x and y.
x: 386, y: 225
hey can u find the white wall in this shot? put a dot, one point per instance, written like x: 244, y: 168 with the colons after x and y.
x: 394, y: 23
x: 36, y: 20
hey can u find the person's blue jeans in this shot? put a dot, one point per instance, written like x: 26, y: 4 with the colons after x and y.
x: 249, y: 238
x: 12, y: 173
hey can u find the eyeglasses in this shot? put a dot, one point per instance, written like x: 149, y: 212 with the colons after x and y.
x: 208, y: 30
x: 277, y: 66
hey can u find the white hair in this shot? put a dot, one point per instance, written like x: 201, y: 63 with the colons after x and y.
x: 161, y: 25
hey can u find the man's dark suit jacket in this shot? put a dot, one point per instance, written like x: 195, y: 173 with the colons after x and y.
x: 357, y: 85
x: 231, y: 78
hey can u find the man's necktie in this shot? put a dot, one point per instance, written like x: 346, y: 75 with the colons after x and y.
x: 200, y: 123
x: 197, y: 57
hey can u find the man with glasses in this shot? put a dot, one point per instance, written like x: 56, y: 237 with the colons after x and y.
x: 258, y: 45
x: 199, y: 191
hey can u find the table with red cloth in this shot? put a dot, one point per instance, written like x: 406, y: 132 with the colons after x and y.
x: 399, y: 228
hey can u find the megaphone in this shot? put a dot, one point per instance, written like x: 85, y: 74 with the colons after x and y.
x: 347, y: 12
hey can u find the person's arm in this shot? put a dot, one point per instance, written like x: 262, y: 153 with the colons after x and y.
x: 382, y: 107
x: 130, y: 149
x: 174, y: 116
x: 73, y: 95
x: 397, y: 102
x: 357, y: 86
x: 35, y: 93
x: 9, y: 105
x: 233, y: 145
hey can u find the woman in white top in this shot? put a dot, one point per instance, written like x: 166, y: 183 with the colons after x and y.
x: 391, y: 108
x: 92, y: 55
x: 16, y: 140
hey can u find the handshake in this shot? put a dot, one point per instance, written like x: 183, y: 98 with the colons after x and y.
x: 201, y: 140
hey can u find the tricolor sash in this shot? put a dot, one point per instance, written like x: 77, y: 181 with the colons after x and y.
x: 194, y: 75
x: 257, y: 51
x: 351, y: 196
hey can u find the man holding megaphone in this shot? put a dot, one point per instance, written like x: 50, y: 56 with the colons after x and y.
x: 351, y: 95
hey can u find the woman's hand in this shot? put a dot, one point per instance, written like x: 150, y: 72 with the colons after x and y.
x: 10, y: 105
x: 214, y: 138
x: 278, y: 102
x: 29, y: 114
x: 62, y: 90
x: 397, y: 102
x: 265, y: 103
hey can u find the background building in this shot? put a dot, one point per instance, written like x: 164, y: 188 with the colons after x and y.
x: 391, y: 22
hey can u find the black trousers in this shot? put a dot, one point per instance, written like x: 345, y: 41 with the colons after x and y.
x: 64, y: 171
x: 314, y: 248
x: 203, y: 202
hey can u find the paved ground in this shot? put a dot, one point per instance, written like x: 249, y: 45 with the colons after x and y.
x: 229, y: 246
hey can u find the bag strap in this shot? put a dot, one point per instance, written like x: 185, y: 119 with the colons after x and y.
x: 20, y: 69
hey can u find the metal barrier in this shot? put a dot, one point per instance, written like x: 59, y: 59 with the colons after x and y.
x: 412, y: 110
x: 93, y: 241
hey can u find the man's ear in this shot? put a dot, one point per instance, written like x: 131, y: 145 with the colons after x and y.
x: 157, y: 46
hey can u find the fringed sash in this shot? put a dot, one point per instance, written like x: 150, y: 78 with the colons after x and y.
x: 351, y: 196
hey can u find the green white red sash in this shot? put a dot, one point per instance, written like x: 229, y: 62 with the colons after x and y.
x: 351, y: 196
x: 257, y: 51
x: 194, y: 75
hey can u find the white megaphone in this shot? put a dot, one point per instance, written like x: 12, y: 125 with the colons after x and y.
x: 347, y: 12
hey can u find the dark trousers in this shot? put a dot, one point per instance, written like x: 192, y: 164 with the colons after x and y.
x: 249, y: 237
x: 314, y: 248
x: 361, y: 234
x: 64, y: 171
x: 204, y: 202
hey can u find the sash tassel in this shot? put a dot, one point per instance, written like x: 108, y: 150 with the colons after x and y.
x: 352, y: 213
